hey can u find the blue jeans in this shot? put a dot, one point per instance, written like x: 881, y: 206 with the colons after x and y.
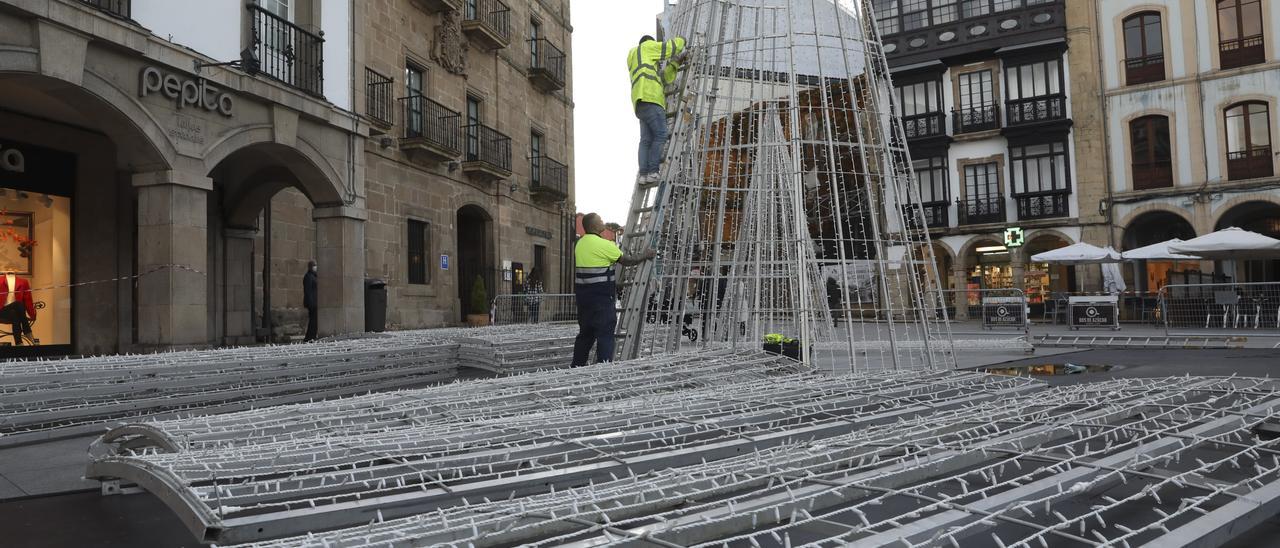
x: 597, y: 320
x: 653, y: 135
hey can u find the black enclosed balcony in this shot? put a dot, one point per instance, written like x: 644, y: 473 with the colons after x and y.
x: 1250, y: 164
x: 286, y: 52
x: 1043, y: 205
x: 924, y: 126
x: 922, y: 31
x: 935, y: 213
x: 976, y: 118
x: 487, y: 23
x: 1046, y: 108
x: 1242, y: 52
x: 488, y: 153
x: 432, y: 132
x: 546, y: 65
x: 549, y: 180
x: 979, y: 211
x: 116, y: 8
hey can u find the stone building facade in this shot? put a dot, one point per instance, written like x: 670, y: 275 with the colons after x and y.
x: 468, y: 174
x: 989, y: 93
x: 140, y: 161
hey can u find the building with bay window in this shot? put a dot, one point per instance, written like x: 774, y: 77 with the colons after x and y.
x: 1191, y: 90
x: 985, y: 92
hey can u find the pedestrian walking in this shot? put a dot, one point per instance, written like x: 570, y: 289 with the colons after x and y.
x: 594, y: 288
x: 533, y: 294
x: 309, y: 301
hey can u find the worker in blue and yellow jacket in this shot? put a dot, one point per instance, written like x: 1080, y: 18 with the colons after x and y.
x: 594, y: 288
x: 653, y: 66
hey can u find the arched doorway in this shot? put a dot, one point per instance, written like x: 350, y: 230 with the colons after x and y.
x: 474, y: 256
x: 262, y: 234
x: 73, y: 159
x: 1042, y: 281
x: 1152, y: 228
x: 1263, y: 218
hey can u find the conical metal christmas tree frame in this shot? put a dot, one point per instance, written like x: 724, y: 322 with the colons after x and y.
x: 787, y: 205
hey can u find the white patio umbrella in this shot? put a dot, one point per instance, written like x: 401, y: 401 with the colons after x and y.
x: 1157, y: 252
x: 1230, y: 244
x: 1077, y: 254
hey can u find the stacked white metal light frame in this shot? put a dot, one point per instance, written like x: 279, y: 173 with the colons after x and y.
x: 786, y: 204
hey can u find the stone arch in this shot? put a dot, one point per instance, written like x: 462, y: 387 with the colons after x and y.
x: 969, y: 247
x: 1144, y: 209
x: 142, y: 145
x: 1222, y: 213
x: 279, y: 166
x: 1175, y: 225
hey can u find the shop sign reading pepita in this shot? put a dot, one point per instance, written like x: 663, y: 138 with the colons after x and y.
x: 184, y: 91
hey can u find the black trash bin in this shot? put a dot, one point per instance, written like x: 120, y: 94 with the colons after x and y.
x: 375, y: 305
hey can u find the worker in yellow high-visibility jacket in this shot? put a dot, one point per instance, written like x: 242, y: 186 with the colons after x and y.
x: 653, y: 66
x: 594, y: 288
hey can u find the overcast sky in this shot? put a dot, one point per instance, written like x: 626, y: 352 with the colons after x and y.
x: 606, y: 133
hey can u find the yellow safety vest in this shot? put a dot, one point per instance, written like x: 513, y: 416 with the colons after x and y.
x: 648, y: 77
x: 593, y: 259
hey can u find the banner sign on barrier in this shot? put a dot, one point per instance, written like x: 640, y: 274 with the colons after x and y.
x: 1094, y: 312
x: 1003, y: 312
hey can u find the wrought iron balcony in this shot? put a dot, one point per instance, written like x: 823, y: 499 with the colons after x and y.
x: 488, y: 22
x: 936, y: 214
x: 1149, y: 175
x: 286, y: 52
x: 546, y: 65
x: 1141, y: 70
x: 116, y: 8
x: 976, y: 118
x: 377, y: 97
x: 1043, y: 205
x: 488, y: 153
x: 978, y: 211
x: 431, y: 131
x: 1045, y: 108
x: 1250, y: 164
x: 550, y: 179
x: 1242, y: 52
x: 921, y: 126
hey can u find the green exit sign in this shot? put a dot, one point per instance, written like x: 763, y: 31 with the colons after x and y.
x: 1013, y: 237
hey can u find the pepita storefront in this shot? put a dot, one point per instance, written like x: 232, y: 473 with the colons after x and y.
x: 132, y: 188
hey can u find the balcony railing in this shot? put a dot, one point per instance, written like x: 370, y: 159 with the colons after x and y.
x: 546, y: 64
x: 550, y: 178
x: 920, y: 126
x: 935, y: 213
x: 1250, y: 164
x: 117, y: 8
x: 431, y: 127
x: 488, y: 151
x: 977, y: 211
x: 1242, y: 52
x: 288, y: 53
x: 1043, y: 205
x: 377, y: 97
x: 1149, y: 175
x: 488, y: 21
x: 976, y: 118
x: 1141, y: 70
x: 1036, y: 109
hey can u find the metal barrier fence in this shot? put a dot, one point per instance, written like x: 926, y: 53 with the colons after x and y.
x: 1254, y: 307
x: 534, y: 308
x: 992, y: 308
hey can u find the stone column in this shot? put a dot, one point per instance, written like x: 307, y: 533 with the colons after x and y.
x: 340, y: 258
x: 238, y: 254
x: 1018, y: 265
x: 961, y: 276
x: 172, y: 258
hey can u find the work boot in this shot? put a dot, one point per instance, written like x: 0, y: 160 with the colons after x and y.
x: 649, y: 179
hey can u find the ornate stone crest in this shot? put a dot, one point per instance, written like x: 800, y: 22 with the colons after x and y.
x: 450, y: 47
